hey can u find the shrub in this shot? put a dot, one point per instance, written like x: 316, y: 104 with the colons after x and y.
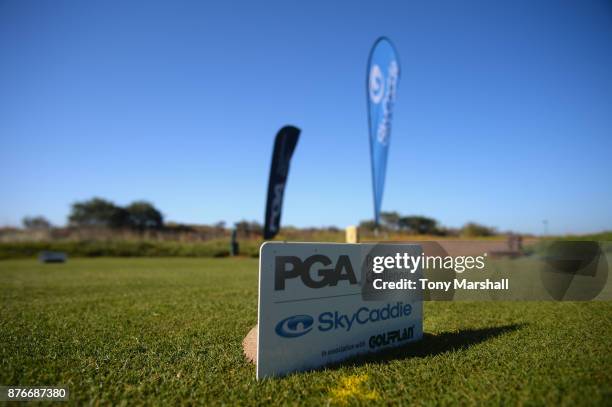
x: 473, y: 229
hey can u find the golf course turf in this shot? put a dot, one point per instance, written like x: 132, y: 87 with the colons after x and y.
x: 169, y: 330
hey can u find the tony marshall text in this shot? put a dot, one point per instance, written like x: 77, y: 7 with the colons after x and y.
x: 457, y: 284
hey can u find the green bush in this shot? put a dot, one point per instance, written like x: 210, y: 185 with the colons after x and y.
x: 473, y: 229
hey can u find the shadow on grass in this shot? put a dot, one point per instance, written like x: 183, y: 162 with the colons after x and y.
x: 432, y: 345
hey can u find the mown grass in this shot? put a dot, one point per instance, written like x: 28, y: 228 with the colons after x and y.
x: 169, y: 331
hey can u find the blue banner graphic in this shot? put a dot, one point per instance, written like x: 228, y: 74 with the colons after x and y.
x: 382, y: 80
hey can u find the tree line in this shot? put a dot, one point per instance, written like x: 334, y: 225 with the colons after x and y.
x: 98, y: 212
x: 144, y: 216
x: 102, y: 213
x: 423, y: 225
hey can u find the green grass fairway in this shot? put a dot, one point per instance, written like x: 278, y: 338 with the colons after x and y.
x: 169, y: 331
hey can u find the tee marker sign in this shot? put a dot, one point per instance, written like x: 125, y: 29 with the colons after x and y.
x: 314, y: 308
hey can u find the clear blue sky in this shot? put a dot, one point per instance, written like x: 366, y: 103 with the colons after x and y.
x: 503, y: 114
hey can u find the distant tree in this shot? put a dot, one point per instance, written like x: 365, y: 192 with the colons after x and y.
x: 420, y: 225
x: 142, y: 215
x: 248, y: 229
x: 390, y: 220
x: 98, y: 212
x: 473, y: 229
x: 368, y: 224
x: 36, y: 223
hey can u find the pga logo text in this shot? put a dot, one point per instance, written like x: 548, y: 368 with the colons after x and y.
x: 315, y: 271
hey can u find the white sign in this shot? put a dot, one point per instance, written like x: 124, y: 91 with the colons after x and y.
x: 312, y: 310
